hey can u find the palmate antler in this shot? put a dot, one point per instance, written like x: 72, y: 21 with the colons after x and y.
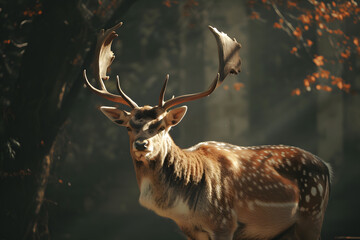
x: 229, y: 62
x: 104, y: 58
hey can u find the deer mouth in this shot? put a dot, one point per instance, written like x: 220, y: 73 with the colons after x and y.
x: 141, y: 155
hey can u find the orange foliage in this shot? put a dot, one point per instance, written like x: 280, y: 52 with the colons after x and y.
x: 297, y: 33
x: 356, y: 41
x: 296, y: 92
x: 255, y: 15
x: 168, y: 3
x: 277, y: 25
x: 291, y: 4
x: 293, y: 50
x: 339, y: 82
x: 321, y: 17
x: 324, y: 74
x: 36, y: 10
x: 318, y: 60
x: 345, y: 54
x: 238, y: 86
x: 323, y: 87
x: 305, y: 18
x: 309, y: 42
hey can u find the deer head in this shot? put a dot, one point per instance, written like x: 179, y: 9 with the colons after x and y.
x: 148, y: 126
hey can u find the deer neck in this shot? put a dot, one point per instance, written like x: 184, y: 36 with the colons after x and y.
x: 171, y: 161
x: 174, y: 176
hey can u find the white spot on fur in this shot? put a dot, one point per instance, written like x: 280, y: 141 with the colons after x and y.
x: 218, y: 191
x: 251, y: 205
x: 321, y: 189
x: 313, y: 191
x: 288, y: 162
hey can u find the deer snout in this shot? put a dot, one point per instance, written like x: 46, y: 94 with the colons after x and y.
x: 141, y: 144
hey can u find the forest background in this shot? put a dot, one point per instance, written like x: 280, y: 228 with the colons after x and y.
x: 66, y: 171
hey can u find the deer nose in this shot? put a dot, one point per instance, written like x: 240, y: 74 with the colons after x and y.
x: 141, y: 144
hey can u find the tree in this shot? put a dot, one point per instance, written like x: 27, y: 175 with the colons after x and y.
x: 307, y: 23
x: 56, y: 45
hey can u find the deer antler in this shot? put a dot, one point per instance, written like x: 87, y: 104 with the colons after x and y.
x: 104, y: 58
x: 229, y: 62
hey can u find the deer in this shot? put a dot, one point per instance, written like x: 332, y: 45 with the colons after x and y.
x: 215, y: 190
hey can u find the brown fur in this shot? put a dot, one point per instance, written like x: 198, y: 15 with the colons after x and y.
x: 220, y: 191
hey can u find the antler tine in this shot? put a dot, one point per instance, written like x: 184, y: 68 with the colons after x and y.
x: 103, y: 59
x: 104, y: 93
x: 162, y: 92
x: 191, y: 97
x: 129, y: 101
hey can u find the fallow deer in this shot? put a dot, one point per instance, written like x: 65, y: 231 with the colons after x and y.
x: 216, y: 190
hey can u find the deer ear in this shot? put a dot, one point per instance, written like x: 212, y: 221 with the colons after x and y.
x: 117, y: 116
x: 175, y: 115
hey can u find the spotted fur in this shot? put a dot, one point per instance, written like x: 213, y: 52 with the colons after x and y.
x: 216, y: 190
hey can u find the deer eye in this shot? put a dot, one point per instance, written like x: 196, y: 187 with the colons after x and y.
x: 161, y: 129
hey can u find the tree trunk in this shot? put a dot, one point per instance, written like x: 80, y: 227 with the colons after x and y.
x: 48, y: 83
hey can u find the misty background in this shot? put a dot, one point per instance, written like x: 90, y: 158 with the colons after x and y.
x: 91, y: 192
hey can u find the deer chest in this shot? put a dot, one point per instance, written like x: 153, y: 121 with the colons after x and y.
x: 163, y: 203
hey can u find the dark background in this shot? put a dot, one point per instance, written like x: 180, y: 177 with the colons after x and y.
x: 66, y: 171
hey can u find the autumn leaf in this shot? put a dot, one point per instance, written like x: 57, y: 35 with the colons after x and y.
x: 297, y: 33
x: 277, y: 25
x: 356, y: 41
x: 226, y: 87
x: 238, y: 86
x: 296, y: 92
x: 254, y: 15
x: 327, y: 17
x: 291, y: 4
x: 306, y: 82
x: 304, y: 19
x: 324, y: 88
x: 167, y: 3
x: 346, y: 87
x: 345, y: 54
x: 319, y: 61
x: 293, y: 50
x: 324, y: 74
x: 309, y: 42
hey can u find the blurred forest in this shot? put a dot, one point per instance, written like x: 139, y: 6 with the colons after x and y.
x: 66, y: 171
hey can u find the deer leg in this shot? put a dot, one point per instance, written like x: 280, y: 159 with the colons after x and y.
x: 305, y: 229
x: 288, y: 234
x: 225, y: 232
x: 194, y: 233
x: 308, y: 228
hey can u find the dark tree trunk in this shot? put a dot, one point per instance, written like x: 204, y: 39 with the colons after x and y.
x: 49, y: 80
